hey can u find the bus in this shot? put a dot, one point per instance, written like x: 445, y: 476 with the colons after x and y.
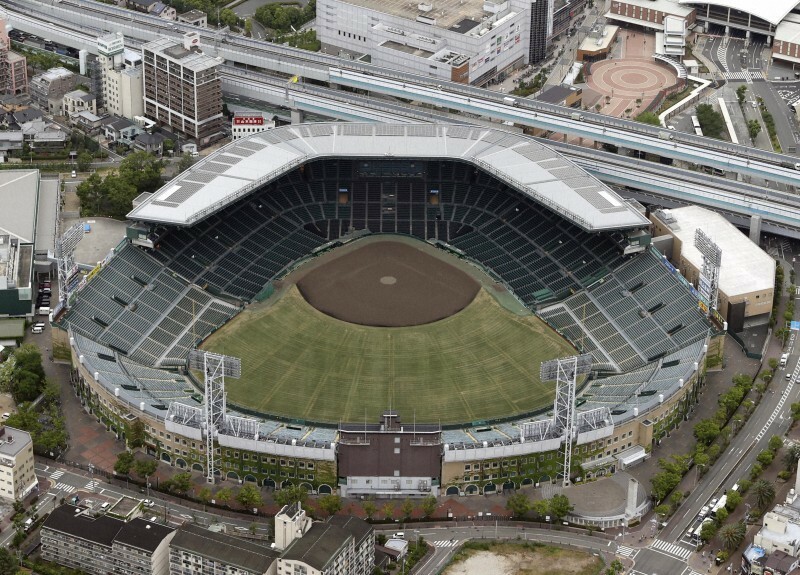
x: 696, y: 534
x: 695, y: 122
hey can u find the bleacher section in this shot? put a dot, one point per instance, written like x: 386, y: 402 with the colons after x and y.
x: 140, y: 309
x: 237, y: 251
x: 635, y: 315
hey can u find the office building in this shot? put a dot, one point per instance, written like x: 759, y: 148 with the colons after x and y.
x: 248, y: 123
x: 541, y: 28
x: 17, y: 476
x: 183, y: 89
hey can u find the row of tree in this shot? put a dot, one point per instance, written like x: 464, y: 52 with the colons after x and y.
x: 556, y: 507
x: 282, y: 19
x: 113, y: 194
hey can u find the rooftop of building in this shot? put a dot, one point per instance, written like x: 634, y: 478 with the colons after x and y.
x: 455, y: 15
x: 13, y: 440
x: 79, y: 95
x: 599, y: 41
x: 19, y: 191
x: 667, y: 6
x: 789, y: 30
x: 192, y: 15
x: 171, y: 48
x: 318, y: 545
x: 745, y: 266
x: 358, y: 528
x: 247, y: 164
x: 556, y: 94
x: 773, y: 11
x: 100, y: 530
x: 53, y: 74
x: 246, y: 555
x: 141, y: 534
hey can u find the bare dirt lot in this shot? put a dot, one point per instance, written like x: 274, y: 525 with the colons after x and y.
x: 388, y: 284
x: 512, y: 559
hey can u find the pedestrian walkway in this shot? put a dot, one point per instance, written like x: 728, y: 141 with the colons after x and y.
x: 627, y: 551
x: 451, y: 543
x: 745, y: 75
x: 671, y: 549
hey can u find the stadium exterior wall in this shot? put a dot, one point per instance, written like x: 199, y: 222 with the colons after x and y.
x: 482, y: 471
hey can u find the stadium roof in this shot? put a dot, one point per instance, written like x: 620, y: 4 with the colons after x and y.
x: 246, y: 164
x: 772, y: 11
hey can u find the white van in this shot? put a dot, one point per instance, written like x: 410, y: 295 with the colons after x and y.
x: 28, y: 524
x: 104, y: 506
x: 36, y: 329
x: 399, y: 535
x: 784, y: 359
x: 44, y: 311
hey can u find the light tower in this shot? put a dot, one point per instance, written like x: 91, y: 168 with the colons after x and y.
x: 565, y: 372
x: 709, y: 277
x: 215, y: 368
x: 65, y: 254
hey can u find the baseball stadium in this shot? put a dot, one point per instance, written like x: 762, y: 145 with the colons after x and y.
x: 414, y: 270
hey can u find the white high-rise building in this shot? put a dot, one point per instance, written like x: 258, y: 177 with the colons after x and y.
x: 121, y: 70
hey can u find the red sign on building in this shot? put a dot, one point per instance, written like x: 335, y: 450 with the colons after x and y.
x: 248, y: 121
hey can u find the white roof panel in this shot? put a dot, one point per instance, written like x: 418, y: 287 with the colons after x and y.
x: 246, y: 164
x: 745, y: 266
x: 773, y: 11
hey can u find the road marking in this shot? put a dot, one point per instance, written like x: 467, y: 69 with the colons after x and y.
x: 451, y: 543
x: 91, y: 485
x: 56, y: 474
x: 671, y: 549
x: 627, y: 551
x: 64, y: 487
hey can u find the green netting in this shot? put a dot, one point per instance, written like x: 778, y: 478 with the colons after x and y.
x: 265, y: 293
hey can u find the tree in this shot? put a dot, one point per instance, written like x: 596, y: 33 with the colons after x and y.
x: 248, y: 27
x: 732, y: 535
x: 733, y: 501
x: 518, y: 504
x: 710, y: 120
x: 26, y: 419
x: 204, y: 496
x: 793, y: 452
x: 141, y: 170
x: 388, y: 510
x: 228, y: 18
x: 708, y: 530
x: 663, y: 483
x: 407, y: 508
x: 706, y: 431
x: 775, y: 443
x: 764, y: 492
x: 370, y: 508
x: 91, y: 193
x: 84, y: 161
x: 648, y: 118
x: 615, y: 568
x: 330, y: 503
x: 181, y: 482
x: 429, y: 506
x: 560, y: 506
x: 753, y: 129
x: 765, y: 458
x: 290, y: 495
x: 249, y: 496
x: 8, y: 562
x: 663, y: 510
x: 145, y: 467
x: 185, y: 163
x: 124, y: 463
x: 740, y: 93
x: 224, y: 495
x: 119, y: 195
x: 541, y: 507
x: 136, y: 434
x: 721, y: 516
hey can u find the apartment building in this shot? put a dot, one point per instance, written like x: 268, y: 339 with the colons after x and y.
x: 122, y: 90
x: 78, y: 101
x: 103, y: 545
x: 183, y: 89
x: 48, y: 88
x: 198, y: 551
x: 341, y: 546
x: 13, y: 67
x: 17, y: 476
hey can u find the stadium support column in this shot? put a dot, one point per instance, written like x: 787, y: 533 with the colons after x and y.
x: 65, y: 254
x: 215, y: 367
x: 755, y: 228
x: 298, y: 117
x: 565, y: 371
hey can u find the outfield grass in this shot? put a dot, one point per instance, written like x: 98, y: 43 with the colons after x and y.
x: 478, y: 364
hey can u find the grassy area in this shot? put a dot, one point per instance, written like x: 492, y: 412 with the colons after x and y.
x: 675, y: 98
x: 518, y: 558
x: 480, y: 363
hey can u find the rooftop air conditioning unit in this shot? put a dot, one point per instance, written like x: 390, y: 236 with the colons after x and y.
x: 425, y: 7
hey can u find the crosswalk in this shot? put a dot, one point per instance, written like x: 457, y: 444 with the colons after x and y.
x: 627, y: 551
x: 671, y: 549
x: 91, y: 486
x: 64, y: 488
x: 56, y: 474
x: 722, y: 50
x: 451, y: 543
x: 745, y: 75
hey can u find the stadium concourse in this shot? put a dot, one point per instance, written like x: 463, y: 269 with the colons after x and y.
x: 218, y: 236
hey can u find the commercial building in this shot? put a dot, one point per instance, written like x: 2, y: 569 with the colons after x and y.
x: 747, y: 273
x: 466, y: 41
x: 247, y: 123
x: 198, y: 551
x: 122, y: 91
x: 48, y: 88
x: 597, y: 44
x: 17, y: 476
x: 103, y: 545
x: 183, y: 89
x: 390, y: 459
